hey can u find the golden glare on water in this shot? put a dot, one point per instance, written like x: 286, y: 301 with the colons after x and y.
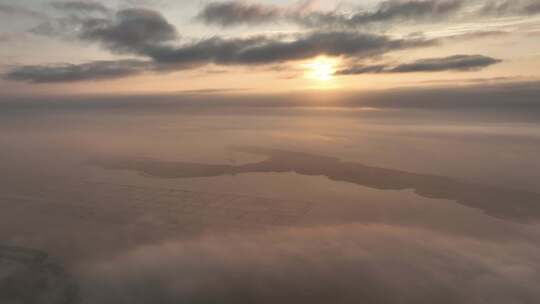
x: 321, y: 69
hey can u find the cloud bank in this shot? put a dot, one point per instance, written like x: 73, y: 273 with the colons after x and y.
x: 451, y: 63
x: 81, y: 6
x: 335, y: 264
x: 271, y: 50
x: 130, y: 30
x: 235, y: 13
x: 97, y: 70
x: 391, y: 12
x: 511, y: 8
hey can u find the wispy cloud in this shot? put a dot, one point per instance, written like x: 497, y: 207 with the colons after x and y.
x: 451, y: 63
x: 97, y: 70
x: 234, y: 13
x: 237, y: 13
x: 9, y: 10
x: 81, y: 6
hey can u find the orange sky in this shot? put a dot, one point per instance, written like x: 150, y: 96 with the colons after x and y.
x: 31, y: 37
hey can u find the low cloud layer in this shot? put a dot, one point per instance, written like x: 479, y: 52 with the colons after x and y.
x: 385, y: 12
x: 80, y: 6
x: 271, y: 50
x: 147, y: 33
x: 511, y: 7
x: 8, y: 10
x: 338, y: 264
x: 97, y: 70
x: 236, y: 13
x: 452, y: 63
x: 458, y: 62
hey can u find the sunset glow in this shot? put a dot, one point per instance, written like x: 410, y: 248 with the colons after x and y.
x: 321, y: 69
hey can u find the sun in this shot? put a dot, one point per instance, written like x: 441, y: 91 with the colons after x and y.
x: 321, y: 69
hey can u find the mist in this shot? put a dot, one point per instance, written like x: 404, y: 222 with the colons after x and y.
x: 291, y: 204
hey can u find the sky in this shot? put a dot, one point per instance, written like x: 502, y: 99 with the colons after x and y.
x: 263, y: 46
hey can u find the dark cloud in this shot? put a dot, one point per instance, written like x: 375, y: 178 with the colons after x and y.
x: 19, y: 11
x: 236, y: 13
x: 97, y: 70
x: 533, y: 8
x: 452, y: 63
x: 126, y: 31
x: 388, y: 11
x: 81, y: 6
x: 64, y: 28
x: 146, y: 33
x: 257, y: 50
x: 131, y: 30
x: 477, y: 35
x: 409, y: 10
x: 358, y: 69
x: 510, y: 8
x: 271, y: 50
